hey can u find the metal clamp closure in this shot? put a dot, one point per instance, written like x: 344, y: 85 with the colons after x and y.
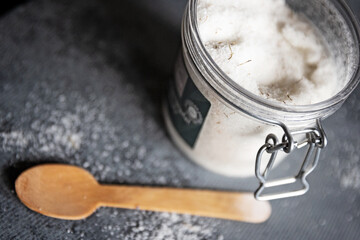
x: 315, y: 140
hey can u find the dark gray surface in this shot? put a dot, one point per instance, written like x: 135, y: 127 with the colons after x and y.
x: 81, y: 83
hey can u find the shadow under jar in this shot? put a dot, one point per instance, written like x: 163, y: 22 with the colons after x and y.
x: 227, y: 129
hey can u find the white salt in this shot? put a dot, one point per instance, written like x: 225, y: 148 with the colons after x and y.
x: 268, y: 49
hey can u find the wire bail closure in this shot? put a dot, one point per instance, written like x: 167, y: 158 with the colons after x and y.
x: 315, y: 140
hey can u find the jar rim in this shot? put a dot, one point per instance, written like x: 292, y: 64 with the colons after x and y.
x: 337, y: 99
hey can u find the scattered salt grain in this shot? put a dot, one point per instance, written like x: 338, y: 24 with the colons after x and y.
x: 163, y: 226
x: 351, y: 178
x: 346, y: 167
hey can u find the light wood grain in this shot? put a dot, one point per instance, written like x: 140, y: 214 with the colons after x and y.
x: 69, y: 192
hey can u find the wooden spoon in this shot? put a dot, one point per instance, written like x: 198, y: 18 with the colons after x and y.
x: 69, y: 192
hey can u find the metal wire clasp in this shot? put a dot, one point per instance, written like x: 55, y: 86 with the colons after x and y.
x: 315, y: 140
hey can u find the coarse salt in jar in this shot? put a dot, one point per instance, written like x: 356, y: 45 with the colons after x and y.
x: 228, y: 128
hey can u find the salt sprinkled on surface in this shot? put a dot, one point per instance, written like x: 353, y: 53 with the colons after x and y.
x: 351, y: 179
x: 12, y: 140
x: 346, y: 167
x: 79, y: 131
x: 161, y: 226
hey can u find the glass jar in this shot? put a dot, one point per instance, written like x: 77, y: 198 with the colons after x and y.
x: 227, y: 129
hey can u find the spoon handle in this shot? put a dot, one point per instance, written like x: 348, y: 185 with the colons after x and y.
x: 217, y: 204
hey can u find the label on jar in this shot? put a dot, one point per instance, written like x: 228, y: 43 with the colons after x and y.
x: 187, y: 106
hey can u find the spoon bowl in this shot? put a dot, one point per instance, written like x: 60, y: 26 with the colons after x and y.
x: 63, y: 191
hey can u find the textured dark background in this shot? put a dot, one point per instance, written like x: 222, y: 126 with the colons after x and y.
x: 81, y: 83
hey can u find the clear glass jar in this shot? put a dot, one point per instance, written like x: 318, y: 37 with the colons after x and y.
x: 221, y: 126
